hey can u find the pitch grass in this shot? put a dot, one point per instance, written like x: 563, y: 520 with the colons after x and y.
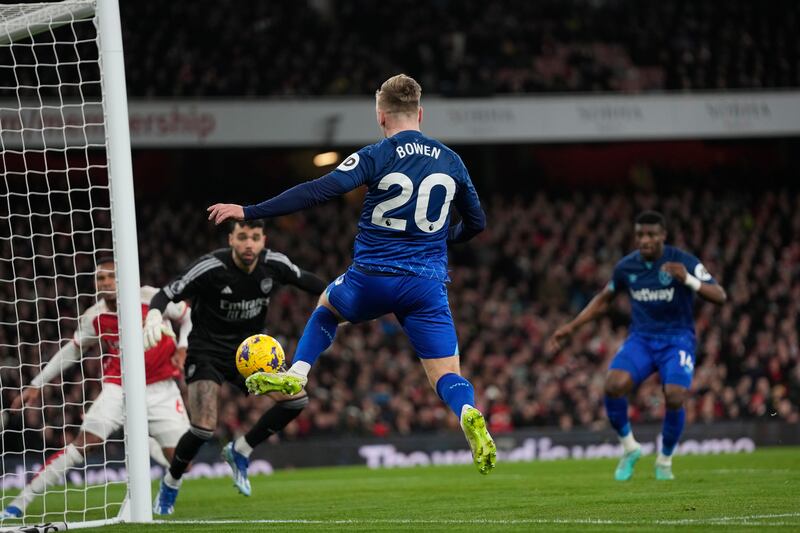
x: 743, y: 492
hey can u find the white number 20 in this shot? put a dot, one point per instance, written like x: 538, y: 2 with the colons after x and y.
x: 423, y: 200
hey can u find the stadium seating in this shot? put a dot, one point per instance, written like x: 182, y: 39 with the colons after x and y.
x: 459, y: 48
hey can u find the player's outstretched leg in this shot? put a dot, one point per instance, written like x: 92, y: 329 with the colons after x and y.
x: 164, y: 503
x: 664, y: 470
x: 237, y: 453
x: 619, y: 382
x: 484, y: 451
x: 51, y: 473
x: 238, y: 463
x: 10, y: 512
x: 458, y: 393
x: 317, y: 337
x: 626, y: 464
x: 675, y: 395
x: 617, y: 409
x: 186, y: 450
x: 673, y: 426
x: 670, y: 433
x: 283, y: 382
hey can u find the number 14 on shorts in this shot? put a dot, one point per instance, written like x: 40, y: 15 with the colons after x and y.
x: 686, y: 360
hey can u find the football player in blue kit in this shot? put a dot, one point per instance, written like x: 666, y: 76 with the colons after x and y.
x: 400, y: 252
x: 661, y: 282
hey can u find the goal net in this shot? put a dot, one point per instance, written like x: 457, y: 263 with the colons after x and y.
x: 59, y: 215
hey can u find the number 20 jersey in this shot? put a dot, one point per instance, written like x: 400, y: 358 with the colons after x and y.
x: 412, y: 180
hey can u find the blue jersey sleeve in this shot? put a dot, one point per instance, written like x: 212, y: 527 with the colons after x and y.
x: 358, y: 168
x: 618, y: 282
x: 350, y: 174
x: 696, y: 268
x: 466, y: 201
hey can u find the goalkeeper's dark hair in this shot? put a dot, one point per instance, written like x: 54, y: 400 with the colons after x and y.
x: 651, y: 217
x: 258, y: 223
x: 102, y: 259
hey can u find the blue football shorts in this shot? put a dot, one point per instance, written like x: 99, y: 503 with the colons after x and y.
x: 420, y: 306
x: 672, y: 356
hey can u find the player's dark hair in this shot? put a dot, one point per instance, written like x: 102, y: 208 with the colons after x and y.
x: 258, y: 223
x: 104, y: 259
x: 651, y: 217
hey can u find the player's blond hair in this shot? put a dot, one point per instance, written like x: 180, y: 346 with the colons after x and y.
x: 399, y: 94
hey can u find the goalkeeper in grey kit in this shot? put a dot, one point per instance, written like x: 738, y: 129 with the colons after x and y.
x: 230, y: 290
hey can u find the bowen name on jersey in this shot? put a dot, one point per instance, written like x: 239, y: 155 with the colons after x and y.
x: 418, y: 149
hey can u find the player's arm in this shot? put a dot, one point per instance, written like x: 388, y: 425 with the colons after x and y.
x: 297, y: 198
x: 473, y: 219
x: 184, y: 287
x: 154, y: 327
x: 705, y: 288
x: 310, y: 282
x: 291, y: 274
x: 64, y: 358
x: 597, y: 307
x: 180, y: 315
x: 352, y: 173
x: 184, y: 322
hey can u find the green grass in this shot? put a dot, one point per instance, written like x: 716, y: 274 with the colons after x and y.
x: 741, y: 492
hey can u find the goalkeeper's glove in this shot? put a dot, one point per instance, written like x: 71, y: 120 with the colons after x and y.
x: 155, y: 328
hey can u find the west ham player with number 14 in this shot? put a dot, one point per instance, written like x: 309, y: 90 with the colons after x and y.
x: 661, y: 281
x: 400, y: 254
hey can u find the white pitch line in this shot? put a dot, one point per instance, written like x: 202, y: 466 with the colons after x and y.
x: 726, y: 471
x: 722, y: 520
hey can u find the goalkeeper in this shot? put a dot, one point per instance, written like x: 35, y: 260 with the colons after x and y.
x: 230, y: 291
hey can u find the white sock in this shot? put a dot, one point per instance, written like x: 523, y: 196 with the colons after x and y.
x: 51, y: 474
x: 629, y: 443
x: 664, y: 460
x: 241, y: 446
x: 301, y: 368
x: 156, y: 453
x: 171, y: 481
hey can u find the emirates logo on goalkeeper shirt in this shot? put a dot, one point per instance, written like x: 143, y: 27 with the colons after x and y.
x: 243, y: 309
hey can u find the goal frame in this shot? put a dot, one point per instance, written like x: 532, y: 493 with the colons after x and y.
x: 137, y: 504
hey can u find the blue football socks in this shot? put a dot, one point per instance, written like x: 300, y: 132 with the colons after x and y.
x: 318, y: 335
x: 617, y: 410
x: 456, y: 392
x: 672, y: 429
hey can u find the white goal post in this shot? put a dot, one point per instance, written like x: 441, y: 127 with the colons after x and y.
x: 66, y: 199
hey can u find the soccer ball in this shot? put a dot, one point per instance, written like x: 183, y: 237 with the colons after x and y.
x: 260, y: 353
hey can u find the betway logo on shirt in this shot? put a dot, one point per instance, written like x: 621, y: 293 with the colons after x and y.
x: 653, y: 295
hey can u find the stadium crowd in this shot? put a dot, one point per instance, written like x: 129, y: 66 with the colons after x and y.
x: 234, y: 48
x: 540, y: 260
x: 457, y: 47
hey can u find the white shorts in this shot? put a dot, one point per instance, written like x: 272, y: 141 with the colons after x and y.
x: 166, y: 415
